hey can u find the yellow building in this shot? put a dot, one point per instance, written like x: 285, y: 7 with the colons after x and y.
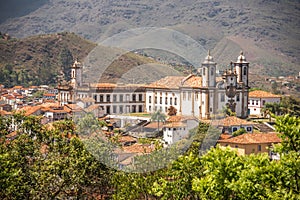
x: 251, y: 142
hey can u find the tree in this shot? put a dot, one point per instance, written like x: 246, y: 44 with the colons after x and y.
x: 219, y: 174
x: 172, y: 111
x: 48, y: 162
x: 239, y: 132
x: 159, y: 117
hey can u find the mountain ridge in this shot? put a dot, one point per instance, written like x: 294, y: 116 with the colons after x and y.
x: 267, y: 25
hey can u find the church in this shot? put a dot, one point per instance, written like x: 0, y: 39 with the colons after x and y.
x: 203, y: 95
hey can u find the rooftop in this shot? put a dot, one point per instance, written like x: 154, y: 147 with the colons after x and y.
x: 231, y: 121
x: 262, y: 94
x: 253, y: 138
x: 174, y: 82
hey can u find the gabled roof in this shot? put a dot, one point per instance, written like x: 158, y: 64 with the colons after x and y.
x: 72, y: 108
x: 253, y: 138
x: 231, y: 121
x: 175, y: 125
x: 174, y: 82
x: 138, y: 148
x: 167, y: 82
x: 262, y: 94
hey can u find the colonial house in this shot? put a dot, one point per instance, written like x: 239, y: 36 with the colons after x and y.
x: 202, y: 95
x: 177, y: 128
x: 231, y: 124
x: 251, y: 143
x: 258, y: 99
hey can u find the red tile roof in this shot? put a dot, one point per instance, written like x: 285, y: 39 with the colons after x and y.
x: 138, y: 148
x: 262, y: 94
x: 253, y: 138
x: 175, y: 124
x: 231, y: 121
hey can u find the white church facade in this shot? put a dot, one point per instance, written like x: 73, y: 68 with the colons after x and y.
x: 202, y: 95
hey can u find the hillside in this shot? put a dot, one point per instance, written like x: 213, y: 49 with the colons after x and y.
x: 228, y: 22
x: 39, y: 59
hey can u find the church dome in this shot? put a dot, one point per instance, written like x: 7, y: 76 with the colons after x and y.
x: 241, y: 58
x: 209, y: 59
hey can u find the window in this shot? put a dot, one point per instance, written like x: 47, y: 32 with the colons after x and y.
x: 150, y: 99
x: 133, y: 108
x: 184, y: 95
x: 121, y: 109
x: 234, y: 129
x: 121, y: 97
x: 114, y: 98
x: 166, y: 109
x: 203, y: 71
x: 237, y: 97
x: 134, y: 97
x: 140, y: 108
x: 236, y: 146
x: 149, y: 108
x: 101, y: 98
x: 107, y: 109
x: 252, y: 102
x: 245, y: 71
x: 263, y: 102
x: 140, y: 97
x: 171, y: 101
x: 108, y: 98
x: 127, y: 97
x: 249, y: 129
x: 155, y: 100
x: 114, y: 109
x: 256, y: 102
x: 160, y: 100
x: 222, y: 97
x: 95, y: 97
x: 175, y: 101
x: 259, y: 147
x: 212, y: 71
x: 166, y: 100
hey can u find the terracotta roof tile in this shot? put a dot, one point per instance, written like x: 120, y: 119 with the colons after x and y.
x: 126, y: 139
x: 231, y: 121
x: 262, y: 94
x: 167, y: 82
x: 154, y: 125
x: 138, y: 148
x: 253, y: 138
x: 175, y: 124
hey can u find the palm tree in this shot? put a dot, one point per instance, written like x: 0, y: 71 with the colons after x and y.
x: 158, y: 116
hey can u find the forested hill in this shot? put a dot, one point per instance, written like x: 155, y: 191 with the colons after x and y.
x: 267, y: 30
x: 38, y: 59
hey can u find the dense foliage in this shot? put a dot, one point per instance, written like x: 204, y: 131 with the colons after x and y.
x: 51, y: 162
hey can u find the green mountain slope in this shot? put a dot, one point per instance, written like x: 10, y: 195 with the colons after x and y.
x: 39, y: 59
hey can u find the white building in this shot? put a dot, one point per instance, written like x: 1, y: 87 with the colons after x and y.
x: 258, y: 99
x: 177, y: 128
x: 203, y: 95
